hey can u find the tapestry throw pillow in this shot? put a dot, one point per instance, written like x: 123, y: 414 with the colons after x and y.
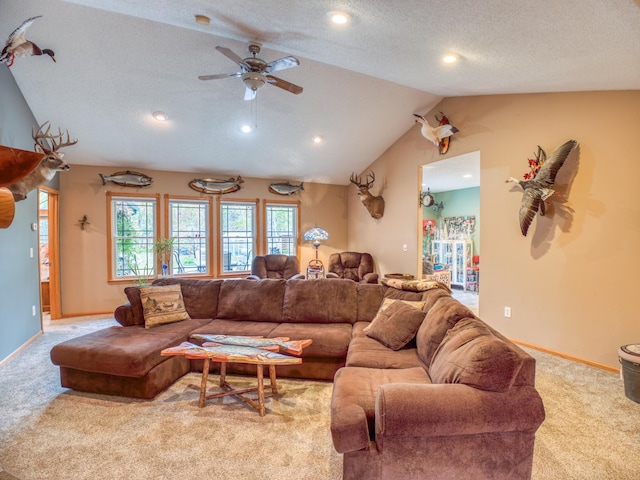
x: 396, y: 325
x: 162, y: 305
x: 471, y: 354
x: 386, y: 303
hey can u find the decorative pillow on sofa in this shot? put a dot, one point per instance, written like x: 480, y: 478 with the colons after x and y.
x: 472, y: 355
x: 162, y: 305
x: 396, y: 325
x: 387, y: 302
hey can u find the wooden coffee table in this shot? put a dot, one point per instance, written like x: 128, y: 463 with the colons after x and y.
x: 266, y: 353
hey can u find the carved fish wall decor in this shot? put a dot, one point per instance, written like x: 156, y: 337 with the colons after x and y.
x: 127, y: 179
x: 215, y: 186
x: 285, y: 188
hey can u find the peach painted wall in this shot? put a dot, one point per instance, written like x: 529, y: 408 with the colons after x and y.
x: 83, y: 254
x: 572, y: 282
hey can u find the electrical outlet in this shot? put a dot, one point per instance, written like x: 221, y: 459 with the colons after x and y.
x: 507, y: 312
x: 33, y: 310
x: 405, y: 248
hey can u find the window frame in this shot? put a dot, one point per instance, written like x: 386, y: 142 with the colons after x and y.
x: 266, y: 203
x: 168, y: 200
x: 111, y: 196
x: 255, y: 202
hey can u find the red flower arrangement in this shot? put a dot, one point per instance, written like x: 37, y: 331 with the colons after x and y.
x: 535, y: 164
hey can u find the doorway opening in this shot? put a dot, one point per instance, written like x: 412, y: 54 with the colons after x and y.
x: 450, y: 225
x: 48, y: 254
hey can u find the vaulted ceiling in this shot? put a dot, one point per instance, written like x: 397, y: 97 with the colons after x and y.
x: 118, y: 61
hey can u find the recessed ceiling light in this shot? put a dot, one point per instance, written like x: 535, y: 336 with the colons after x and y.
x: 203, y: 19
x: 160, y: 116
x: 245, y: 128
x: 339, y: 18
x: 450, y: 58
x: 317, y: 139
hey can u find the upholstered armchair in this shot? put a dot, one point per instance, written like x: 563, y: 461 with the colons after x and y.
x: 275, y: 266
x: 355, y: 266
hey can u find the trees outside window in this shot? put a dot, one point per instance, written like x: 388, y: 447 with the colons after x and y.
x: 132, y: 231
x: 281, y: 228
x: 189, y: 227
x: 237, y: 236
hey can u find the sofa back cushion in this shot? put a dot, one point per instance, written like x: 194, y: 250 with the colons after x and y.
x: 443, y: 315
x: 259, y: 300
x: 200, y: 296
x: 321, y: 301
x: 369, y: 299
x: 470, y: 354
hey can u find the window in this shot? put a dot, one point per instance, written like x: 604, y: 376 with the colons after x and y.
x: 237, y: 244
x: 189, y: 225
x: 132, y: 231
x: 281, y: 228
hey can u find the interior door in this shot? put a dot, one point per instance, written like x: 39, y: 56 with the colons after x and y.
x: 49, y: 251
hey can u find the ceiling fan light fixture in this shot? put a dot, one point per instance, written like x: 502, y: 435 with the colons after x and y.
x: 339, y: 18
x: 254, y: 80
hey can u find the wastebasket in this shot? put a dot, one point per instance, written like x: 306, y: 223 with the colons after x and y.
x: 629, y: 356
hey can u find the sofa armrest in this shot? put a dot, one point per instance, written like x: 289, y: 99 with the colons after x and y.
x: 297, y: 276
x: 124, y: 315
x: 455, y: 409
x: 331, y: 275
x: 349, y: 428
x: 253, y: 277
x: 370, y: 278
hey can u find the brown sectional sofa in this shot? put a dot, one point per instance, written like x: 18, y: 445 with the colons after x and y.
x: 458, y: 401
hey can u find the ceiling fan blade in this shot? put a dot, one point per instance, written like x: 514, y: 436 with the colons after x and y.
x: 288, y: 86
x: 233, y: 56
x: 282, y: 63
x: 249, y: 94
x: 219, y: 75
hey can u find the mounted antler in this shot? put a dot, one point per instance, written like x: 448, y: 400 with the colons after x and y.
x: 51, y: 162
x: 42, y: 140
x: 374, y: 204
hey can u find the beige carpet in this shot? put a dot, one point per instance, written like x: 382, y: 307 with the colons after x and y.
x: 46, y: 432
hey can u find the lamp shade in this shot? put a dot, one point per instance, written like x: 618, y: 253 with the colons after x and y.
x: 316, y: 233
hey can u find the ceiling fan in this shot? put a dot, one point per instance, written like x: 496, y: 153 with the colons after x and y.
x: 255, y: 72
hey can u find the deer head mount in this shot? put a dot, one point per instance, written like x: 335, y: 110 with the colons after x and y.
x: 374, y: 204
x: 49, y: 144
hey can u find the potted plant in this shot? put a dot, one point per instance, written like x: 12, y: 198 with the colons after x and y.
x: 164, y: 249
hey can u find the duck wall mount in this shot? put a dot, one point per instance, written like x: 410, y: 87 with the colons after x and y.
x: 538, y: 183
x: 440, y: 135
x: 18, y: 46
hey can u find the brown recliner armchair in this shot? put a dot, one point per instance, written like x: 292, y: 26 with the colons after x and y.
x: 275, y: 266
x: 355, y: 266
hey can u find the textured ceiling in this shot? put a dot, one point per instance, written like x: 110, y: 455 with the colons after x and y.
x: 118, y: 61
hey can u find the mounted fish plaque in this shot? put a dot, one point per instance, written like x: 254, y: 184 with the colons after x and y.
x: 216, y: 186
x: 127, y: 179
x: 285, y: 188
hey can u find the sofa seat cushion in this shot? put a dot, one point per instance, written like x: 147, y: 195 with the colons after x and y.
x: 232, y: 327
x: 354, y: 398
x: 329, y: 339
x: 118, y: 351
x: 320, y: 301
x: 472, y: 355
x: 367, y: 352
x: 244, y: 299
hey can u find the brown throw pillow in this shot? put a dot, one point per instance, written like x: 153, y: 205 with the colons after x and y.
x: 387, y: 302
x: 472, y: 355
x: 162, y: 305
x: 396, y: 325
